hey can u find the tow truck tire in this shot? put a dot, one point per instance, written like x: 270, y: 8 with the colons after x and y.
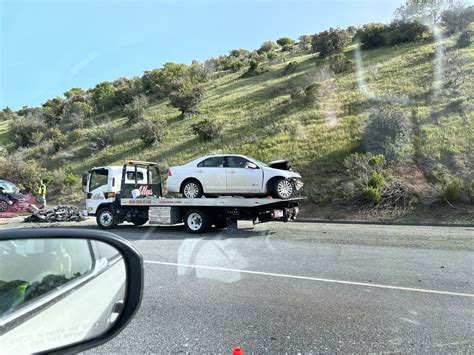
x: 283, y: 189
x: 106, y: 218
x: 197, y: 221
x: 139, y: 221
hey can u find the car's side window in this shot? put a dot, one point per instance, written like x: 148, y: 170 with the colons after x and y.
x: 214, y: 162
x: 238, y: 162
x: 34, y: 267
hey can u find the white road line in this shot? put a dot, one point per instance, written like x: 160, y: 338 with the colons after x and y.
x: 317, y: 279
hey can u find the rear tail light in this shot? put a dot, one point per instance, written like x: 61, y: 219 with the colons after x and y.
x: 169, y: 172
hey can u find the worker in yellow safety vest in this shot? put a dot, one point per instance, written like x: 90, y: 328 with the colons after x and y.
x: 40, y: 194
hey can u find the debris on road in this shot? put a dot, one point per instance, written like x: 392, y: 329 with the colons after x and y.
x: 56, y: 214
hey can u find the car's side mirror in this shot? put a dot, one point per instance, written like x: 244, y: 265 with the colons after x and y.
x: 252, y: 166
x: 65, y: 290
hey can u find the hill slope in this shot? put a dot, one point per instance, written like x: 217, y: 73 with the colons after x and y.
x: 261, y: 116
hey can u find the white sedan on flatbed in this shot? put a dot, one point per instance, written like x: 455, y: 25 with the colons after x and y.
x: 233, y: 175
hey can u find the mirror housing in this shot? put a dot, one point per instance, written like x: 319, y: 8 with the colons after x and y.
x: 85, y: 180
x: 131, y: 265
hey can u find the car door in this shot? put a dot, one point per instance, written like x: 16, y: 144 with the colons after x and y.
x: 243, y: 176
x: 212, y: 174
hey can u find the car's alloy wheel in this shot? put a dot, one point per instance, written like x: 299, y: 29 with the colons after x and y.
x: 3, y: 206
x: 284, y: 188
x: 192, y: 190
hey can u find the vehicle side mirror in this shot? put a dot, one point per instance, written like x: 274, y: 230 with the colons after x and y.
x: 252, y: 166
x: 85, y: 179
x: 65, y: 290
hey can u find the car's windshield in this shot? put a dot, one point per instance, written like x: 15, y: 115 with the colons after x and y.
x: 8, y: 187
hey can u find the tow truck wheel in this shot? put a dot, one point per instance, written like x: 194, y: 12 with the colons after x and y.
x: 139, y: 221
x: 197, y: 221
x: 106, y: 218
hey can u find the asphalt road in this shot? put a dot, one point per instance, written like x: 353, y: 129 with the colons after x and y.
x: 303, y: 288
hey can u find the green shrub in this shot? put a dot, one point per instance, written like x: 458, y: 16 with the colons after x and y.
x: 329, y: 42
x: 377, y: 161
x: 206, y: 129
x: 135, y: 110
x: 284, y: 41
x: 305, y: 41
x: 452, y: 191
x: 457, y: 18
x: 470, y: 190
x: 102, y: 137
x: 71, y: 180
x: 291, y: 68
x: 25, y: 174
x: 339, y: 64
x: 464, y: 39
x: 57, y: 138
x: 376, y: 180
x: 267, y: 47
x: 287, y: 48
x: 152, y: 132
x: 25, y: 130
x: 75, y: 135
x: 376, y: 35
x: 312, y: 93
x: 186, y: 99
x: 371, y: 35
x: 372, y: 194
x: 385, y: 133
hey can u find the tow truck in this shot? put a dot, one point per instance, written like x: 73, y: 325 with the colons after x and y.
x: 133, y: 193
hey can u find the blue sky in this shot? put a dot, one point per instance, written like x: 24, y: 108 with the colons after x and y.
x: 50, y: 46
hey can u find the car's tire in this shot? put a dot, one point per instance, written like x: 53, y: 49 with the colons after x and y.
x: 197, y: 221
x: 192, y: 189
x: 139, y: 221
x: 283, y: 189
x: 3, y: 205
x: 106, y: 218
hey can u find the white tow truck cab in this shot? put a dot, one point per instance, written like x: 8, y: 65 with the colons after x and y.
x: 133, y: 193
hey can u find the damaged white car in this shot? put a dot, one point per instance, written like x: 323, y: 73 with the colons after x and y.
x: 234, y: 175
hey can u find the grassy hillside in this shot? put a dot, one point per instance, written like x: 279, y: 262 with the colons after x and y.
x: 258, y: 117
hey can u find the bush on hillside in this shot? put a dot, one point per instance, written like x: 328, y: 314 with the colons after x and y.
x: 376, y: 35
x: 305, y: 42
x: 135, y: 110
x: 385, y: 133
x: 206, y: 129
x: 372, y: 194
x: 285, y: 41
x: 457, y: 19
x: 152, y: 132
x: 75, y: 135
x: 452, y: 191
x: 464, y: 39
x: 287, y: 48
x: 329, y: 42
x: 291, y: 68
x: 376, y: 180
x: 267, y: 47
x: 57, y: 138
x: 339, y: 64
x: 103, y: 97
x: 102, y: 138
x: 26, y: 130
x: 25, y: 174
x: 186, y: 99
